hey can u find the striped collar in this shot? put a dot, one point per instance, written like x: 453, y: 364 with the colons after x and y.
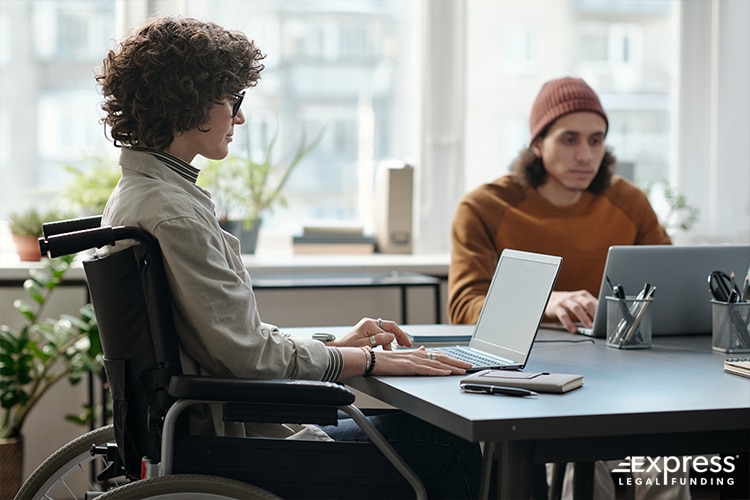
x: 184, y: 169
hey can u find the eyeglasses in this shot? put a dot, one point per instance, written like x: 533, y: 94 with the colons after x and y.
x: 237, y: 103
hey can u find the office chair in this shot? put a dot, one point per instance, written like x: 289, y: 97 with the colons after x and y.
x: 155, y: 453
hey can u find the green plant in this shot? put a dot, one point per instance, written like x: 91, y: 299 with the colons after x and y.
x: 243, y: 187
x: 89, y: 187
x: 680, y: 215
x: 29, y: 222
x: 43, y: 351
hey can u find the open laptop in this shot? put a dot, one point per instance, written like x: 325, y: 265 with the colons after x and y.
x: 512, y: 311
x: 682, y: 303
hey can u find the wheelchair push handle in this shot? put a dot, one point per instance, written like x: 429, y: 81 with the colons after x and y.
x: 76, y: 241
x: 76, y: 235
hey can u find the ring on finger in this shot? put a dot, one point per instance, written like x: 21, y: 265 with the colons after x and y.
x: 432, y: 356
x: 380, y: 323
x: 373, y: 341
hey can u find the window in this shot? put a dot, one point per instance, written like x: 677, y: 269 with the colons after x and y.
x: 70, y: 31
x: 48, y: 100
x: 572, y: 40
x: 519, y: 50
x: 338, y: 67
x: 444, y: 84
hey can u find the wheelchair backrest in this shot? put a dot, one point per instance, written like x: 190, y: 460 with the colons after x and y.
x: 134, y: 314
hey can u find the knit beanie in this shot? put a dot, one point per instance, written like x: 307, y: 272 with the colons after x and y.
x: 560, y: 97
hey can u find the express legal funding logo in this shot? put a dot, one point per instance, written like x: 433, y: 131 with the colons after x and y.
x: 714, y: 470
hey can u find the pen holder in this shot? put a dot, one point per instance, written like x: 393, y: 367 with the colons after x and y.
x: 629, y: 323
x: 731, y: 326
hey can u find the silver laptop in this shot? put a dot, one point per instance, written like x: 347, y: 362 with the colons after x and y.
x: 682, y: 303
x: 512, y: 311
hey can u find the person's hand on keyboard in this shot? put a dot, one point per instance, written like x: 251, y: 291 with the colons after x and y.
x: 370, y: 333
x: 418, y: 362
x: 571, y: 307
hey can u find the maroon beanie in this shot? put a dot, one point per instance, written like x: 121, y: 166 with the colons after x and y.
x: 560, y: 97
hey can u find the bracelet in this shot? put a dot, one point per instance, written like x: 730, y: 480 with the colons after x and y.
x: 367, y: 359
x: 370, y: 364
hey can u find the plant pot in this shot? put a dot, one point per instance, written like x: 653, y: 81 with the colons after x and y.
x: 248, y: 238
x: 27, y: 248
x: 11, y: 467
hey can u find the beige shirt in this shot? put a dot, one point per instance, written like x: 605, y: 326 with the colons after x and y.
x: 215, y: 311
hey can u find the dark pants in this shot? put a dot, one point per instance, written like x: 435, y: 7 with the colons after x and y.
x: 449, y: 466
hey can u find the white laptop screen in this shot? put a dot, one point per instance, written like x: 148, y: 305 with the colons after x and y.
x: 515, y: 304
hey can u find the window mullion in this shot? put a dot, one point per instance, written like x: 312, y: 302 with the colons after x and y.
x: 440, y: 176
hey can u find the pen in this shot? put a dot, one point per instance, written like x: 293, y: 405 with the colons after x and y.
x: 639, y: 315
x: 497, y: 389
x: 628, y: 315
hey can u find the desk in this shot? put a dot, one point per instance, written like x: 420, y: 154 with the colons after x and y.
x: 400, y: 280
x: 670, y: 400
x: 279, y: 272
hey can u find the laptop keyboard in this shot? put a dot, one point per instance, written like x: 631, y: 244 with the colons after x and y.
x: 467, y: 355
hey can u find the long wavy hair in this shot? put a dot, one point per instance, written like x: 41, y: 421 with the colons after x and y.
x: 166, y: 77
x: 530, y: 171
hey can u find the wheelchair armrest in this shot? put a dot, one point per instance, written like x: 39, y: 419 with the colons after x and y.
x: 298, y: 392
x: 70, y: 225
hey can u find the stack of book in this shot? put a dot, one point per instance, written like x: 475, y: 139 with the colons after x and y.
x: 333, y: 239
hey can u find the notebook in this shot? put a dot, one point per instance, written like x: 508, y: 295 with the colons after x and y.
x: 511, y: 314
x: 539, y: 382
x: 682, y: 304
x: 738, y: 366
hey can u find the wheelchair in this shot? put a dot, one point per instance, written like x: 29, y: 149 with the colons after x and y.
x: 148, y: 451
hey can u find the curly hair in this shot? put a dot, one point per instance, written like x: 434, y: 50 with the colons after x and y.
x: 166, y: 77
x: 529, y: 170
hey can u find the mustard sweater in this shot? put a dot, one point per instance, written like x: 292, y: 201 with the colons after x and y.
x: 504, y: 214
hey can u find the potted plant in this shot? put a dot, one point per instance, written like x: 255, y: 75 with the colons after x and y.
x: 243, y: 188
x: 680, y: 215
x: 26, y: 227
x: 35, y: 357
x: 89, y: 186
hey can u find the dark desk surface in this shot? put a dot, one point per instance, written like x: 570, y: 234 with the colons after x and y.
x: 676, y: 386
x: 672, y: 399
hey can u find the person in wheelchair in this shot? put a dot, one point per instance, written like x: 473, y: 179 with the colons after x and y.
x: 172, y: 91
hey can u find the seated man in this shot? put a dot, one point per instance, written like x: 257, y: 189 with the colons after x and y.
x: 561, y: 198
x: 173, y: 91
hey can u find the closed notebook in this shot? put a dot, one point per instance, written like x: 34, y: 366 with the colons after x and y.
x: 539, y: 381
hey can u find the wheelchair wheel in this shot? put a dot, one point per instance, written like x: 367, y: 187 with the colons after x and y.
x: 188, y: 487
x: 67, y: 473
